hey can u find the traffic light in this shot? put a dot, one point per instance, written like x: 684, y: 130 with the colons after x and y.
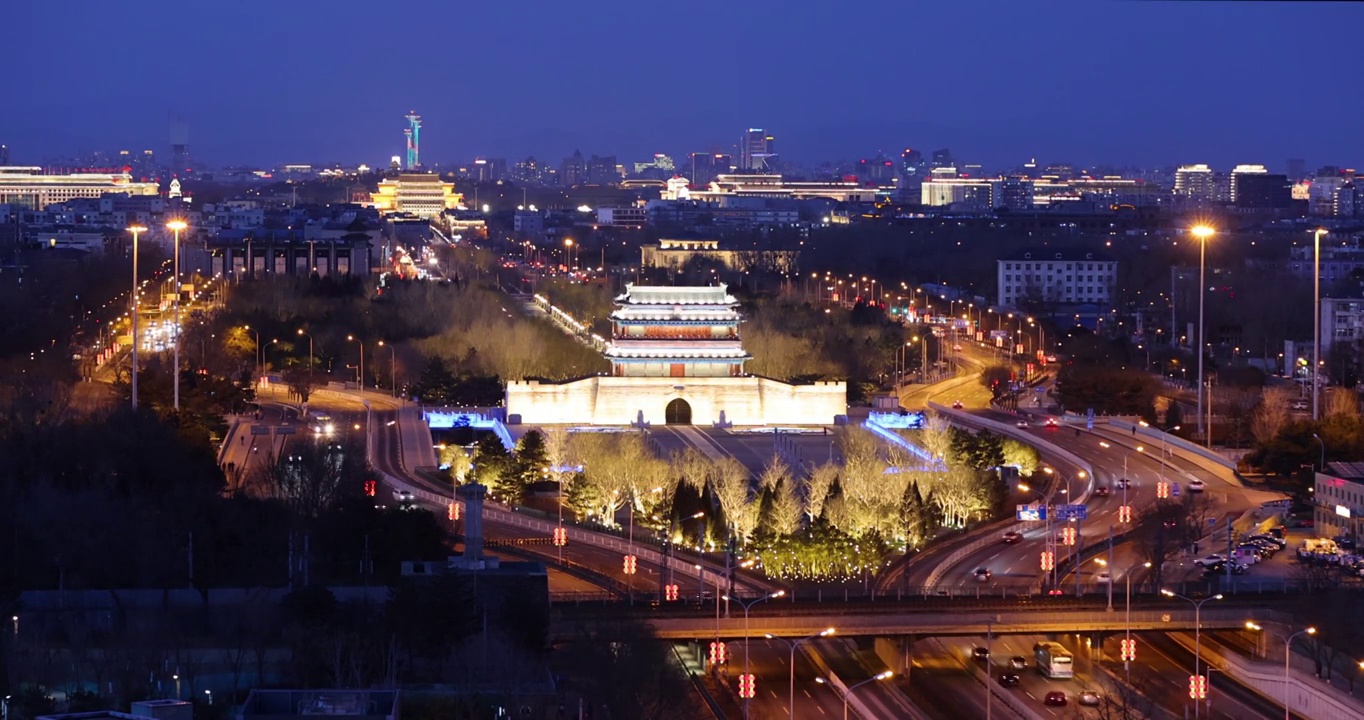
x: 1068, y: 536
x: 1048, y: 560
x: 1129, y: 649
x: 371, y: 487
x: 670, y: 592
x: 453, y: 511
x: 1125, y: 514
x: 747, y: 687
x: 1162, y: 490
x: 1198, y: 687
x: 717, y: 653
x: 560, y: 537
x: 630, y: 564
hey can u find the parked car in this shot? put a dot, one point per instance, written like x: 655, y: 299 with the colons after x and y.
x: 1055, y: 698
x: 1210, y: 560
x: 1089, y: 698
x: 983, y: 574
x: 1008, y: 679
x: 1300, y: 405
x: 1279, y: 532
x: 1013, y: 536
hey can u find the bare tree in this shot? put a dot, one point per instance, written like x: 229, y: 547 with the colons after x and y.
x: 773, y: 473
x: 786, y: 508
x: 1342, y: 402
x: 817, y: 488
x: 312, y: 475
x: 1270, y: 415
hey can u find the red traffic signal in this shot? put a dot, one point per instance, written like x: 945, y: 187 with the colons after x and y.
x: 1129, y: 650
x: 630, y: 562
x: 1048, y: 560
x: 1162, y: 490
x: 1198, y: 687
x: 560, y: 537
x: 670, y: 592
x: 1068, y: 536
x: 453, y: 511
x: 371, y: 487
x: 747, y: 687
x: 717, y: 653
x: 1125, y: 514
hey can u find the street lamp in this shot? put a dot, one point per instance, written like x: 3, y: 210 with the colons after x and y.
x: 1287, y: 655
x: 392, y: 367
x: 361, y: 343
x: 791, y: 701
x: 1202, y: 232
x: 1321, y: 442
x: 847, y: 693
x: 1198, y: 629
x: 259, y: 350
x: 176, y: 227
x: 746, y: 606
x: 1256, y: 628
x: 136, y: 230
x: 568, y: 243
x: 1316, y: 321
x: 310, y: 350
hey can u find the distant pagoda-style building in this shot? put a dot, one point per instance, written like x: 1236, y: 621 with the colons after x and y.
x: 676, y: 332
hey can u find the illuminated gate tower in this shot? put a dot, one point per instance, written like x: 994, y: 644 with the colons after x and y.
x: 659, y: 331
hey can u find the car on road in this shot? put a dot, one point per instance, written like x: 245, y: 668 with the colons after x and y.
x: 1008, y: 679
x: 1101, y: 491
x: 1018, y: 662
x: 980, y: 653
x: 1196, y: 485
x: 322, y: 424
x: 1122, y: 484
x: 1013, y: 536
x: 1299, y: 404
x: 1055, y: 698
x: 982, y: 574
x: 1021, y: 423
x: 1103, y: 576
x: 1210, y: 560
x: 1051, y: 422
x: 1089, y: 698
x: 956, y: 405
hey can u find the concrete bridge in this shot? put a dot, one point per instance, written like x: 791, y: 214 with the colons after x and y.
x: 1032, y: 621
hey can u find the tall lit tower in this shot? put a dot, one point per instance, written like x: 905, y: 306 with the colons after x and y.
x: 413, y: 133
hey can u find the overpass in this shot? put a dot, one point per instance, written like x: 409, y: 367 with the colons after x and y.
x: 1033, y: 621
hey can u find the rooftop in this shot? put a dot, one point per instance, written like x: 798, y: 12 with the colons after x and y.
x: 679, y: 295
x: 1346, y: 470
x: 1055, y: 254
x: 377, y: 704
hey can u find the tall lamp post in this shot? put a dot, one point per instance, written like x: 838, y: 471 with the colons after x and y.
x: 746, y: 606
x: 1198, y: 630
x: 1316, y: 322
x: 793, y: 644
x: 1127, y: 659
x: 1202, y: 232
x: 259, y: 349
x: 136, y: 230
x: 361, y: 343
x: 392, y: 367
x: 302, y: 333
x: 176, y: 227
x: 1287, y: 656
x: 848, y: 693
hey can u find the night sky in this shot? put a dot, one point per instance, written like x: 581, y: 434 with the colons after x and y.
x: 1084, y: 81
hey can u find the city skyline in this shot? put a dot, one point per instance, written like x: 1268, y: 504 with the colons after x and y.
x: 810, y: 75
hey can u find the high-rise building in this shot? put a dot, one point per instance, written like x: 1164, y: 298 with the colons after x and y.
x: 1262, y: 190
x: 877, y: 171
x: 911, y: 162
x: 705, y: 167
x: 757, y: 151
x: 603, y: 170
x: 1195, y: 182
x: 414, y: 140
x: 1297, y: 168
x: 489, y: 169
x: 661, y: 166
x: 573, y: 172
x: 1239, y: 173
x: 4, y: 155
x: 179, y: 146
x: 941, y: 159
x: 529, y: 172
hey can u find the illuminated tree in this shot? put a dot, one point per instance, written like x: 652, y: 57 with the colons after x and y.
x: 786, y: 511
x: 817, y: 488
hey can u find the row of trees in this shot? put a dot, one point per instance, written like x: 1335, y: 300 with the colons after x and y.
x: 833, y: 518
